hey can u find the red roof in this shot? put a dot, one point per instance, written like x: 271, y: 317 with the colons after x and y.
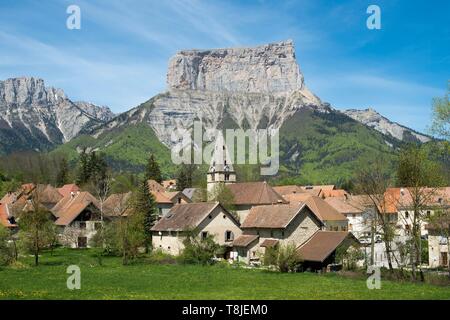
x: 4, y: 216
x: 67, y: 189
x: 254, y: 193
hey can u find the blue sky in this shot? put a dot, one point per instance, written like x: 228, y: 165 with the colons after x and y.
x: 119, y: 57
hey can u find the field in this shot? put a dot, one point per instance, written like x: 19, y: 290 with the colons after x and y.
x: 157, y: 281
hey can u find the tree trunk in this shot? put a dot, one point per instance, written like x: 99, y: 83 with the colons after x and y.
x: 372, y: 244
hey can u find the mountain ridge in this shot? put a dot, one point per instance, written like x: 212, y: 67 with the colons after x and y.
x: 36, y: 117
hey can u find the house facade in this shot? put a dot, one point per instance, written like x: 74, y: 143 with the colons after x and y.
x: 78, y: 218
x: 270, y: 225
x: 205, y: 219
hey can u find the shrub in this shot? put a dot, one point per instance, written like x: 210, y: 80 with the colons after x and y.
x: 349, y: 257
x: 6, y: 249
x: 199, y: 251
x: 160, y: 257
x: 284, y: 258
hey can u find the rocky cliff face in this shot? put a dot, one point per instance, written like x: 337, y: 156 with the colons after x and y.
x: 373, y: 119
x: 270, y: 68
x: 251, y: 87
x: 33, y: 116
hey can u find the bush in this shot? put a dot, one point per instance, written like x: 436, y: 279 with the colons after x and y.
x: 6, y: 249
x: 284, y: 258
x: 199, y: 251
x: 349, y: 257
x: 160, y: 257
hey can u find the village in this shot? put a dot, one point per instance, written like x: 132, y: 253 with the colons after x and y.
x: 327, y: 227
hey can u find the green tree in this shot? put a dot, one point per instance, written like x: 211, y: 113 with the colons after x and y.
x: 36, y: 230
x: 223, y: 194
x: 130, y: 234
x: 152, y: 170
x: 62, y: 176
x: 441, y: 117
x: 184, y: 176
x: 6, y: 249
x: 83, y: 173
x: 283, y: 257
x: 420, y: 177
x: 145, y: 204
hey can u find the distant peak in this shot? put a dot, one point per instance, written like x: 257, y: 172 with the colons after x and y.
x: 268, y: 68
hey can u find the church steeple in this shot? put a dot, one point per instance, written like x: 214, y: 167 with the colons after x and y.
x: 221, y: 170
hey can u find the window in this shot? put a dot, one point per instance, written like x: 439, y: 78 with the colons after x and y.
x: 179, y: 200
x: 210, y: 216
x: 428, y: 213
x: 229, y: 236
x: 271, y: 233
x: 350, y: 227
x: 282, y: 233
x: 97, y: 225
x: 343, y: 228
x: 204, y: 235
x: 224, y: 216
x: 354, y: 215
x: 406, y: 214
x: 83, y: 225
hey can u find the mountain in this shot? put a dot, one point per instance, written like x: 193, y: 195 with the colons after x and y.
x: 373, y: 119
x: 259, y: 87
x: 36, y: 117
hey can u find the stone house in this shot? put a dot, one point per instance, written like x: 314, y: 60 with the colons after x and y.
x: 78, y: 218
x: 247, y: 195
x: 165, y: 200
x: 332, y: 219
x: 204, y: 218
x: 270, y: 225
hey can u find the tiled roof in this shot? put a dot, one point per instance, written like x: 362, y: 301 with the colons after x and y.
x: 345, y: 205
x: 324, y: 193
x: 321, y: 209
x: 67, y: 189
x: 48, y: 194
x: 254, y: 193
x: 70, y: 207
x: 283, y: 190
x: 161, y: 197
x: 316, y: 190
x: 155, y: 186
x: 169, y: 183
x: 322, y: 244
x: 244, y: 240
x: 117, y: 205
x: 185, y: 216
x: 269, y: 243
x: 277, y: 216
x: 396, y: 199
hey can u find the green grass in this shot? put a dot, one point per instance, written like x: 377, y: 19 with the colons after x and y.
x: 153, y: 281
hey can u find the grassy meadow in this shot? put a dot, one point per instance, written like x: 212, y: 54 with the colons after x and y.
x: 145, y: 280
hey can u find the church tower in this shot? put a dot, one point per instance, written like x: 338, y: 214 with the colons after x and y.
x: 221, y: 170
